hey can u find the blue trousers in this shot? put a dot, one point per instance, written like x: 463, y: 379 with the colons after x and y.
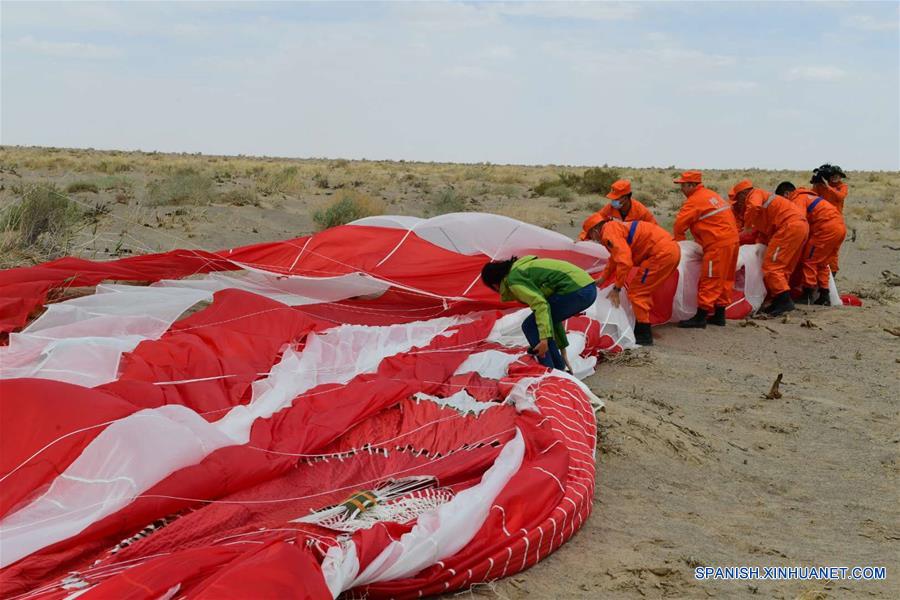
x: 561, y: 308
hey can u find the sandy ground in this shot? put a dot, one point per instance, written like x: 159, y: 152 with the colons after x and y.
x: 696, y: 467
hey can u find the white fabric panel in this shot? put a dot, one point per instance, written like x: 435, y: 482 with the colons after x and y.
x: 126, y: 459
x: 833, y: 293
x: 102, y: 479
x: 340, y: 566
x: 460, y: 401
x: 495, y: 236
x: 492, y: 364
x: 292, y: 290
x: 749, y: 278
x: 684, y: 303
x: 444, y: 531
x: 335, y: 356
x: 750, y: 259
x: 81, y: 340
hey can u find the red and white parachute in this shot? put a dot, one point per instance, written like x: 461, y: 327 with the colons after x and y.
x: 350, y: 412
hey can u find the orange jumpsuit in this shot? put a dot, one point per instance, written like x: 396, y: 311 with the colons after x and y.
x: 713, y: 226
x: 646, y: 246
x: 785, y: 226
x: 749, y: 236
x: 826, y: 234
x: 637, y: 212
x: 835, y: 195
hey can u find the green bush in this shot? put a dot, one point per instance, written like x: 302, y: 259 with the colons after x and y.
x: 447, y: 200
x: 598, y: 180
x: 561, y: 192
x: 185, y: 186
x: 347, y: 206
x: 82, y: 186
x: 571, y: 180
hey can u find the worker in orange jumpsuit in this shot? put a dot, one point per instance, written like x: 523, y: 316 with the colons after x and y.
x: 826, y: 234
x: 785, y: 227
x: 713, y: 226
x: 748, y: 235
x: 828, y: 183
x: 637, y: 244
x: 621, y: 208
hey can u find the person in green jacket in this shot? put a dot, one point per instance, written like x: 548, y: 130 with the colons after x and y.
x: 554, y: 289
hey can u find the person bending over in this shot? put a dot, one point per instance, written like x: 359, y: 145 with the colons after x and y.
x: 646, y: 246
x: 554, y: 289
x: 826, y: 234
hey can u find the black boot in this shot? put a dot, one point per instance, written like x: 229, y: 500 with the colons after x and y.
x: 717, y: 318
x: 642, y: 334
x: 781, y: 304
x: 698, y: 321
x: 824, y: 298
x: 807, y: 297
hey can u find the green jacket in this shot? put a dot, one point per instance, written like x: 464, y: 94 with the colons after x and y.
x: 532, y: 280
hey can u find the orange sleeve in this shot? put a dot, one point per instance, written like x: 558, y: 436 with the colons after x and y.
x: 686, y: 217
x: 835, y: 195
x: 751, y: 213
x: 619, y: 254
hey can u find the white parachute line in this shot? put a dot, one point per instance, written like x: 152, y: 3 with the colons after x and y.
x: 232, y: 319
x: 266, y: 530
x: 90, y: 570
x: 397, y: 247
x: 386, y: 280
x: 356, y: 485
x: 299, y: 254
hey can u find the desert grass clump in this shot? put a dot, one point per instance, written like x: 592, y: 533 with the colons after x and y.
x: 239, y: 197
x: 43, y: 221
x: 77, y: 187
x: 185, y: 186
x: 346, y: 206
x: 446, y: 200
x: 286, y: 180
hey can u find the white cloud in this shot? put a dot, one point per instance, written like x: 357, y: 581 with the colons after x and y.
x: 590, y: 11
x: 73, y: 50
x: 499, y: 53
x: 809, y: 73
x: 726, y: 87
x: 870, y: 23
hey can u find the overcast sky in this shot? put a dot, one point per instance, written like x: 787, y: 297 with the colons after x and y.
x: 715, y: 85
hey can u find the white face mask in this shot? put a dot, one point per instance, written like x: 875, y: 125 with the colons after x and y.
x: 617, y: 204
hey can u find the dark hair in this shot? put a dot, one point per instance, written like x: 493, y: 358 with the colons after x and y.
x: 492, y: 273
x: 784, y: 188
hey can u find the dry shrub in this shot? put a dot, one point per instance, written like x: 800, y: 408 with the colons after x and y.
x: 346, y: 206
x: 82, y: 186
x: 186, y: 186
x: 43, y: 221
x: 286, y: 180
x: 239, y: 197
x: 445, y: 201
